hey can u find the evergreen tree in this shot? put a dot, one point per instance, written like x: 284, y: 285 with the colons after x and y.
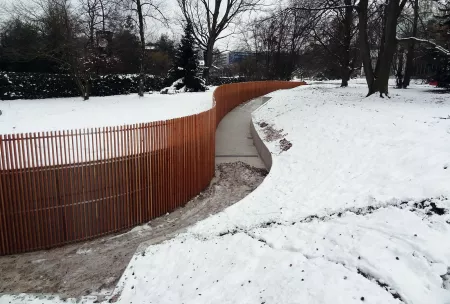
x: 185, y: 67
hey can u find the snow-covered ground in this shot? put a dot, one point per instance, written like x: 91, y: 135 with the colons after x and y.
x: 356, y: 211
x: 350, y: 213
x: 36, y: 115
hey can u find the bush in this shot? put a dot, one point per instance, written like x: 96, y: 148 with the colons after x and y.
x: 39, y: 85
x: 217, y: 81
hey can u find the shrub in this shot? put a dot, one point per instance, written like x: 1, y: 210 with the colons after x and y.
x: 217, y: 81
x: 40, y: 85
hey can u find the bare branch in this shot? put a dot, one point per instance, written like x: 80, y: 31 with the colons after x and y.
x: 428, y: 42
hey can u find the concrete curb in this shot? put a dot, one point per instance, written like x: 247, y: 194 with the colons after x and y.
x: 262, y: 149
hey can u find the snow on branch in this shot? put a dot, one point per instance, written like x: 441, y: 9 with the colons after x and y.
x: 296, y: 8
x: 434, y: 45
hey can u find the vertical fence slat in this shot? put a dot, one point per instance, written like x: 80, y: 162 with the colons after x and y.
x: 149, y: 168
x: 137, y: 163
x: 19, y: 203
x: 152, y: 170
x: 27, y: 205
x: 77, y: 179
x: 13, y: 193
x: 107, y: 179
x: 37, y: 164
x: 164, y: 166
x: 45, y: 185
x: 70, y: 201
x: 160, y: 165
x: 12, y: 231
x: 117, y: 178
x: 3, y: 225
x: 125, y: 179
x: 93, y: 186
x: 122, y: 185
x: 157, y: 168
x: 32, y: 193
x: 107, y: 173
x: 174, y: 203
x: 85, y: 181
x: 100, y: 197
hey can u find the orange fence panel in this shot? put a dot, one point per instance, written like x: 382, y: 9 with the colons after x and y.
x: 66, y: 186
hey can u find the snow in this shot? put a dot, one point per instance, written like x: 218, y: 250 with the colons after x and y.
x: 356, y: 211
x: 172, y: 89
x: 20, y: 116
x: 178, y: 86
x: 317, y: 262
x: 23, y: 116
x: 345, y: 206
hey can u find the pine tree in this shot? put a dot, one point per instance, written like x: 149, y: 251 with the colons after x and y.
x: 185, y: 69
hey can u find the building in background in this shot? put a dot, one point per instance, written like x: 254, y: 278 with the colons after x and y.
x: 231, y: 57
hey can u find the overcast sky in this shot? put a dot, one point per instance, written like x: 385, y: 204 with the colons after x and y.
x: 171, y: 10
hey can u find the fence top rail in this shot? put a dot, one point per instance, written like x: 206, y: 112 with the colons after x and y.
x: 94, y: 130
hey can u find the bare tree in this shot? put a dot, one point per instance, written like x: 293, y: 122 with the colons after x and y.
x: 276, y: 41
x: 377, y: 77
x: 411, y: 46
x: 210, y: 19
x: 144, y: 9
x: 60, y: 29
x: 337, y: 32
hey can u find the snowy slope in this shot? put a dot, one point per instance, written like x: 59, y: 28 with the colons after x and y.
x: 73, y: 113
x: 347, y: 151
x: 356, y: 211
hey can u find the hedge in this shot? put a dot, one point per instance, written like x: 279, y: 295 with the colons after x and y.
x: 38, y: 86
x: 217, y: 81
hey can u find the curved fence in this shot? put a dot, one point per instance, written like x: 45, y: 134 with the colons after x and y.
x: 66, y: 186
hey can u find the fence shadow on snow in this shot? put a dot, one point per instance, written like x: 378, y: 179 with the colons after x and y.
x: 67, y: 186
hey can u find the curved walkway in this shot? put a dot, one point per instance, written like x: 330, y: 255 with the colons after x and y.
x: 234, y: 141
x: 87, y: 268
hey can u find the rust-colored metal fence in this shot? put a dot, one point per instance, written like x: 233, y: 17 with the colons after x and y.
x: 66, y: 186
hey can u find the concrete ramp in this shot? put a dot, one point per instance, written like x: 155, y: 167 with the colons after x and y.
x: 234, y: 141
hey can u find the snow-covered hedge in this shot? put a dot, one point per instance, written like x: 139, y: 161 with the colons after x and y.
x: 179, y: 86
x: 37, y: 85
x: 217, y: 81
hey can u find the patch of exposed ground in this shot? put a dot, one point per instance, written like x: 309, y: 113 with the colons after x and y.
x: 285, y: 144
x: 270, y: 133
x: 94, y: 267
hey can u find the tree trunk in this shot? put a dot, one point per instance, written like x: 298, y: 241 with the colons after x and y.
x: 83, y: 86
x: 208, y: 57
x: 383, y: 39
x: 379, y: 81
x: 344, y: 82
x: 345, y: 77
x: 141, y: 57
x: 389, y: 47
x: 399, y: 73
x: 347, y: 24
x: 88, y: 85
x: 410, y: 55
x: 364, y: 45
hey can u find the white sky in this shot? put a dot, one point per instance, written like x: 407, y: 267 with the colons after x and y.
x: 172, y: 12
